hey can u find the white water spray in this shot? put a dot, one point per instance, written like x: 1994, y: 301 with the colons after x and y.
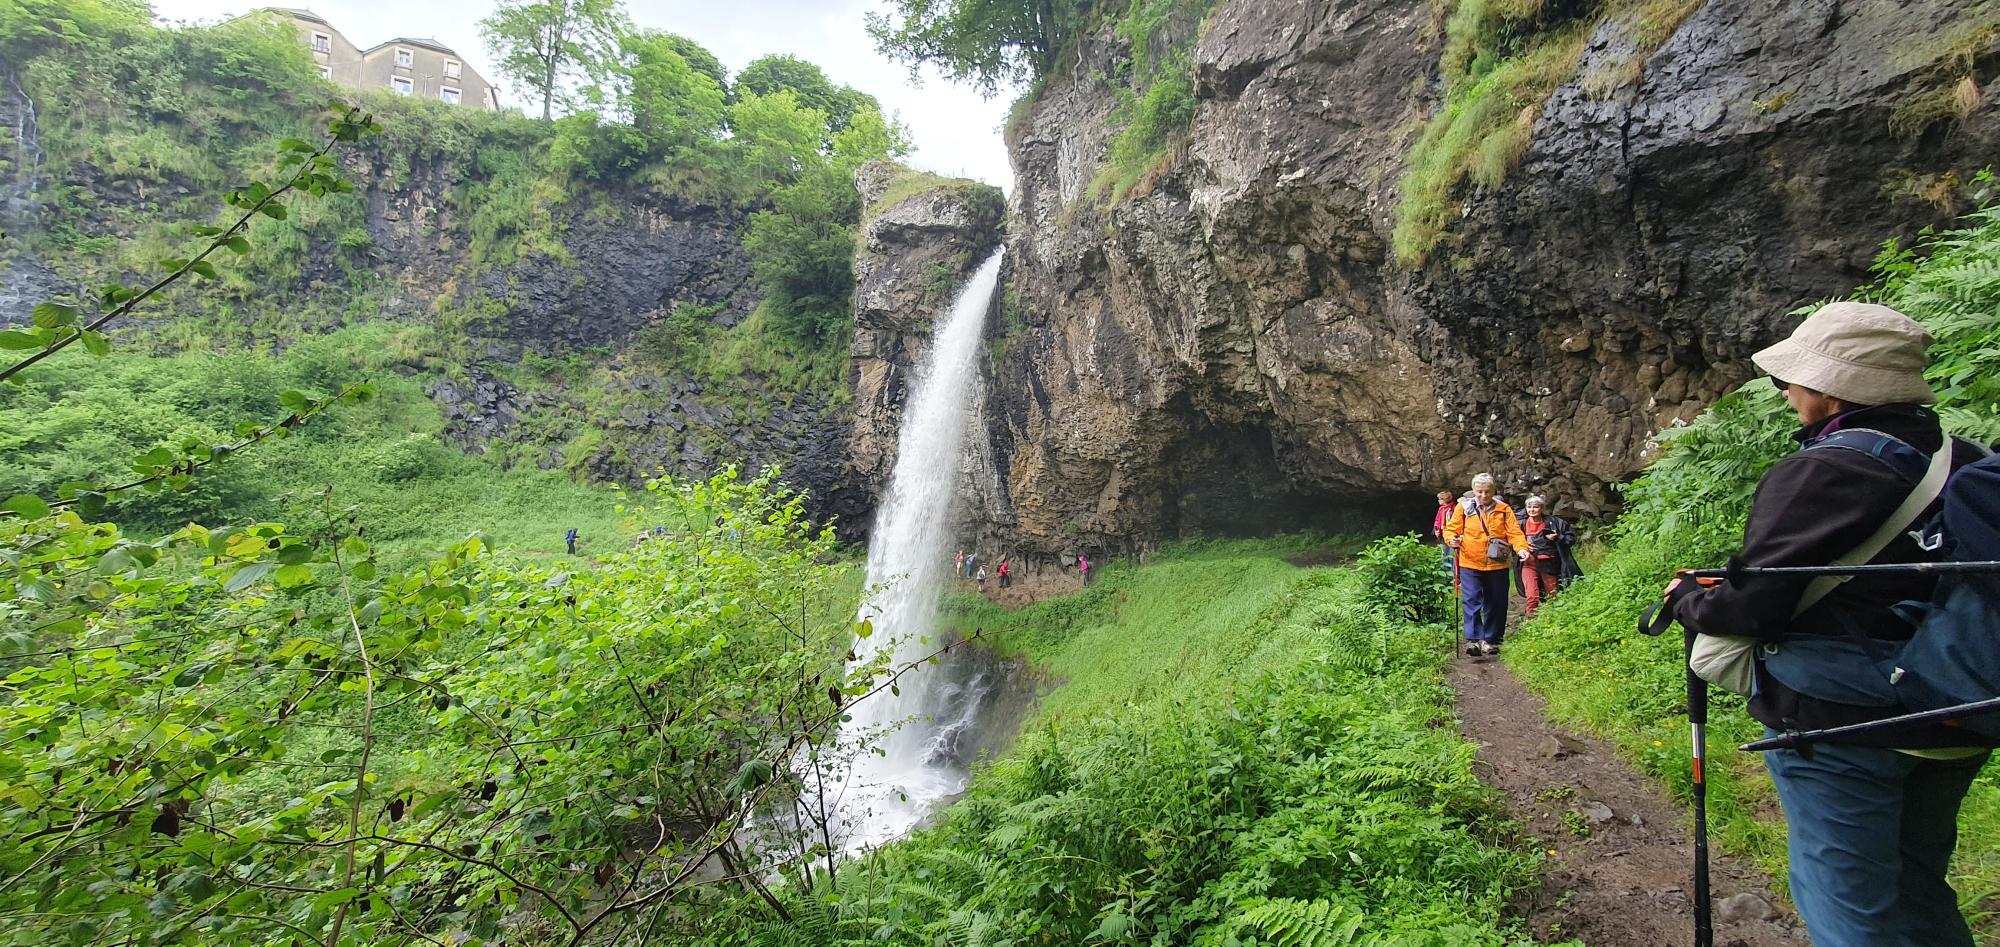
x: 920, y: 763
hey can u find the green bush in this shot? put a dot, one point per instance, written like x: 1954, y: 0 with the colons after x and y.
x: 1406, y: 578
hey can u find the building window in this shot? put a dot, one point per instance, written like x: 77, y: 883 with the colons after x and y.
x: 451, y: 68
x: 449, y: 95
x: 400, y: 84
x: 404, y: 57
x: 322, y: 43
x: 325, y: 71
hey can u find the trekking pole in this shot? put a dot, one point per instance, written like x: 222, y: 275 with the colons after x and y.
x: 1655, y: 621
x: 1792, y: 739
x: 1697, y: 698
x: 1886, y: 568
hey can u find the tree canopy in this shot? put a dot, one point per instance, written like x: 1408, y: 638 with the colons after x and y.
x: 991, y: 44
x: 550, y: 46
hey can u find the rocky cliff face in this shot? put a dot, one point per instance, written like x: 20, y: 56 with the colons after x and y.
x: 921, y: 237
x: 1237, y: 348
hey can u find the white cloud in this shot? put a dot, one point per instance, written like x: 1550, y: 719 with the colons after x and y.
x: 955, y: 131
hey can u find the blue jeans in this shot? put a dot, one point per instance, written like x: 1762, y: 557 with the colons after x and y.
x: 1483, y: 593
x: 1871, y: 833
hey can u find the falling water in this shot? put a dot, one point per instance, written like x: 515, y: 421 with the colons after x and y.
x: 924, y: 731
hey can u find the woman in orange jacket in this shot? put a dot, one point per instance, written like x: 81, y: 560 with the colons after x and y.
x: 1482, y: 529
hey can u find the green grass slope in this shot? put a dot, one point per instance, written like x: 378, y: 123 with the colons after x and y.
x: 1240, y: 752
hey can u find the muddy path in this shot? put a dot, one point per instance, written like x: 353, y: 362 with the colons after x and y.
x: 1621, y: 875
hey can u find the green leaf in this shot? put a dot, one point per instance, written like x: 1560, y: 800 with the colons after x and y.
x: 89, y: 502
x: 21, y: 341
x: 172, y: 263
x: 157, y: 457
x: 273, y: 211
x: 248, y: 576
x: 297, y: 144
x: 294, y: 400
x: 27, y: 506
x: 54, y: 316
x: 203, y: 268
x: 237, y: 244
x: 294, y: 575
x: 95, y: 342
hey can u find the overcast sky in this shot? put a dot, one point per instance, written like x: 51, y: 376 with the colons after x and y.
x: 955, y: 131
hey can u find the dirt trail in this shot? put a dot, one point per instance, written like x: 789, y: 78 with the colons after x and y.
x: 1622, y: 873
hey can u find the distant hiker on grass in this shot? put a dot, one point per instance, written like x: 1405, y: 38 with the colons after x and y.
x: 1005, y: 572
x: 569, y: 540
x: 1437, y: 528
x: 1486, y: 536
x: 1549, y: 564
x: 1872, y: 819
x: 958, y: 564
x: 981, y: 578
x: 1083, y: 568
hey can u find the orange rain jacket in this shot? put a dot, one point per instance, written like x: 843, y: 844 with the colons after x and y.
x: 1473, y: 531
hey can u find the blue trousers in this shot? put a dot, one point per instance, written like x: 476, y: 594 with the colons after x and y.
x: 1871, y: 832
x: 1483, y: 593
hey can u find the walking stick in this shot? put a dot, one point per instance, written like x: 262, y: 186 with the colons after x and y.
x: 1655, y: 621
x: 1792, y: 739
x: 1697, y: 697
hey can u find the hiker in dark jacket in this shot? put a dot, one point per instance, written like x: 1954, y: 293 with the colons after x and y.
x: 1872, y: 820
x: 1549, y: 564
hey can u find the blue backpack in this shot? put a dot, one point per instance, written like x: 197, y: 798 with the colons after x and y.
x: 1954, y: 657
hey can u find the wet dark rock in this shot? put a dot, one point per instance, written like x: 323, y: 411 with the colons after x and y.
x: 1235, y: 348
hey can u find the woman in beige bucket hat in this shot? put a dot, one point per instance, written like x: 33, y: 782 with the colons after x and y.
x: 1872, y: 821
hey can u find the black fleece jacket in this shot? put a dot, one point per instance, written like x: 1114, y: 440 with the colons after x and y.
x: 1810, y: 509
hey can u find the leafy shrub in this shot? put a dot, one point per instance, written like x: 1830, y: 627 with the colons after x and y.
x: 1406, y: 578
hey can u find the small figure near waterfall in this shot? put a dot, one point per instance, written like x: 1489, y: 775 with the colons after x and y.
x: 1004, y: 572
x: 972, y: 564
x: 958, y: 564
x: 1549, y: 564
x: 981, y: 578
x: 1484, y: 552
x: 1083, y: 568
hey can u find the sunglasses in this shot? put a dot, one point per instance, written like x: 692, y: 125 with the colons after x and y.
x: 1780, y: 383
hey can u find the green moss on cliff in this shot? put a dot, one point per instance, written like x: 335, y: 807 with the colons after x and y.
x: 1500, y: 61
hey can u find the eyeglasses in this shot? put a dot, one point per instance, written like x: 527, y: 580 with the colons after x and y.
x: 1780, y: 383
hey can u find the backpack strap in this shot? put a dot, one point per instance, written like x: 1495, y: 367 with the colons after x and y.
x: 1896, y: 454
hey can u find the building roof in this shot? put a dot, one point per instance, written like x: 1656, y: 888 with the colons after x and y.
x: 299, y: 12
x: 412, y: 41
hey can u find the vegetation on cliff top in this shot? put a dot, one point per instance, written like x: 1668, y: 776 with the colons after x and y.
x: 144, y: 129
x: 1688, y: 510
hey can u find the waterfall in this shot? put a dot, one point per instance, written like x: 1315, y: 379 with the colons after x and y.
x: 923, y: 732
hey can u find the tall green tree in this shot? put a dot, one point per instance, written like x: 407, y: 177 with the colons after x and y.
x: 549, y: 45
x: 987, y: 43
x: 673, y: 101
x: 814, y: 90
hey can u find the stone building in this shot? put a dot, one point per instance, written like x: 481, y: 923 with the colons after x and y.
x: 406, y: 65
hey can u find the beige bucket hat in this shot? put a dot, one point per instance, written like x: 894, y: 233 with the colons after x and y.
x: 1861, y: 353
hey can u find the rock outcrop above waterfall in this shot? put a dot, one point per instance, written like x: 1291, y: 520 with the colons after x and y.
x: 920, y: 237
x: 1238, y: 349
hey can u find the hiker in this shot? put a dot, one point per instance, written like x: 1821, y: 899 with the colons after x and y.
x: 1872, y: 818
x: 1437, y: 528
x: 971, y: 564
x: 1083, y: 568
x: 569, y: 540
x: 1005, y: 572
x: 958, y: 564
x: 981, y: 578
x: 1549, y: 564
x: 1483, y: 531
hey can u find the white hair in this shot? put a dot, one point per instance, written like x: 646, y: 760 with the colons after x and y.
x: 1534, y: 501
x: 1485, y: 478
